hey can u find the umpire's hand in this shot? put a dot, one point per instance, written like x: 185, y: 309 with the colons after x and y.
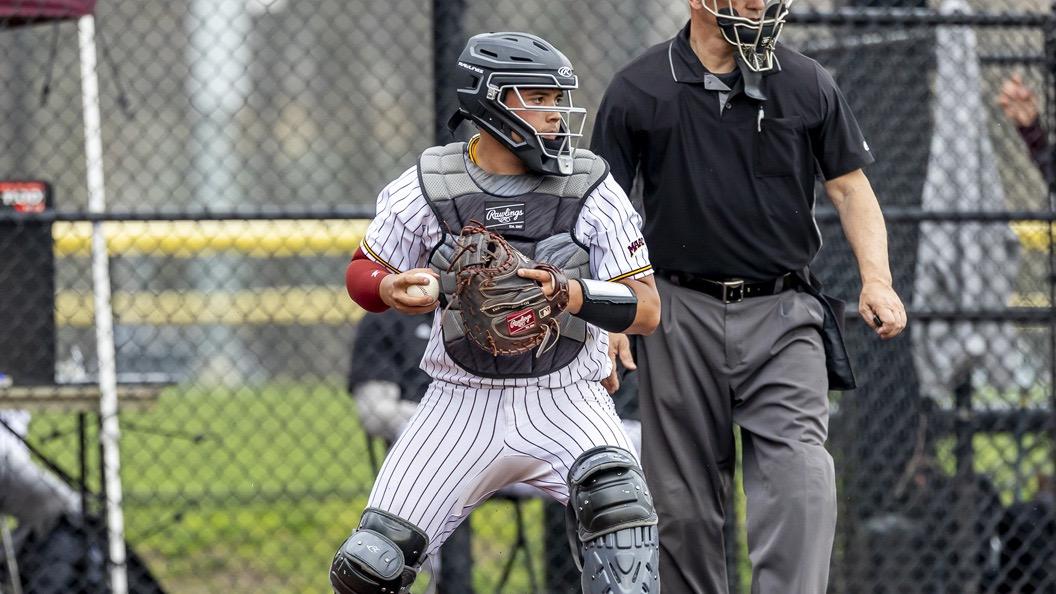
x: 881, y: 308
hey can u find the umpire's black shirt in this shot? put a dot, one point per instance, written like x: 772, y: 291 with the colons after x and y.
x: 727, y: 178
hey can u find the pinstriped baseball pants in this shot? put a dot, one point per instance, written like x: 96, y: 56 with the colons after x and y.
x: 464, y: 444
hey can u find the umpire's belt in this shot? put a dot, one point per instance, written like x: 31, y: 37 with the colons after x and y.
x: 731, y: 291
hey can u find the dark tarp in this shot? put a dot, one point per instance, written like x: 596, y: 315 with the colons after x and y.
x: 16, y: 13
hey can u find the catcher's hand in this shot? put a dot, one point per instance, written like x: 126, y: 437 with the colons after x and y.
x: 394, y: 292
x: 503, y: 312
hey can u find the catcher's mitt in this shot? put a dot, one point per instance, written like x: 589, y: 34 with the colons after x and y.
x: 503, y: 313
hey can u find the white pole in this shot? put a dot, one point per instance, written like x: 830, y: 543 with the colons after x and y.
x: 110, y: 434
x: 219, y: 58
x: 9, y: 552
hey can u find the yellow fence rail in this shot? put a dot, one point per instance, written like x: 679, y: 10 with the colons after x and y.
x: 299, y: 305
x: 192, y: 239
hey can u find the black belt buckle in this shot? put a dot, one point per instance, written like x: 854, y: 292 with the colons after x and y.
x: 732, y: 291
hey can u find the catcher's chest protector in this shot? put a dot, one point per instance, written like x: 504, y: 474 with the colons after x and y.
x: 538, y: 223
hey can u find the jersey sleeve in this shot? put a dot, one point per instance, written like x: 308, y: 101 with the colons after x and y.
x: 610, y: 227
x: 399, y: 236
x: 838, y: 143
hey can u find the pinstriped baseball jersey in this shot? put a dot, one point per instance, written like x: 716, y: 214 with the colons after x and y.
x: 405, y: 229
x: 472, y: 436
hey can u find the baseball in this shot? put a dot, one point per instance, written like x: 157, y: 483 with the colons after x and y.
x: 430, y: 290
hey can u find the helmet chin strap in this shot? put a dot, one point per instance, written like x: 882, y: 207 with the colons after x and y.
x: 554, y: 145
x: 456, y: 120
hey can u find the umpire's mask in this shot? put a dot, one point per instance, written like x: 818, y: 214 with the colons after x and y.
x: 754, y: 39
x: 497, y: 66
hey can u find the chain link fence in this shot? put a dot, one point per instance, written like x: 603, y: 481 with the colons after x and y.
x: 243, y: 144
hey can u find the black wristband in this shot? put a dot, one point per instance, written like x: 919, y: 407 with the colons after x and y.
x: 609, y: 306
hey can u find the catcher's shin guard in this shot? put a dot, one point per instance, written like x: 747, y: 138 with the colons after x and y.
x: 612, y: 524
x: 381, y: 557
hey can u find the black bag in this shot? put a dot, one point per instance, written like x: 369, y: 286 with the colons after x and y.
x: 71, y: 559
x: 837, y: 362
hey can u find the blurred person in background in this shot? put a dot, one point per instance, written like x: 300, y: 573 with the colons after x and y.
x: 57, y: 547
x: 35, y: 497
x: 384, y: 378
x: 48, y: 546
x: 1020, y: 105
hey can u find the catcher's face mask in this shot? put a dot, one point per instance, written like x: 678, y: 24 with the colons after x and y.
x: 548, y: 119
x: 754, y: 38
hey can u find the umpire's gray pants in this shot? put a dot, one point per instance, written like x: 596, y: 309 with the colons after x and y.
x: 760, y: 364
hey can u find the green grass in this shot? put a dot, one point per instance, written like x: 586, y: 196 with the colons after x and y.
x: 1012, y: 464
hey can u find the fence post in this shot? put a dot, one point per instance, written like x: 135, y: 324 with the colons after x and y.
x: 966, y: 571
x: 1049, y: 118
x: 456, y: 566
x: 448, y: 38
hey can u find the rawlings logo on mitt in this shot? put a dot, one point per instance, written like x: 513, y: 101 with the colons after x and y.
x: 503, y: 313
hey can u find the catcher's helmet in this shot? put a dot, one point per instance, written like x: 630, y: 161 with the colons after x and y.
x: 493, y: 64
x: 754, y: 39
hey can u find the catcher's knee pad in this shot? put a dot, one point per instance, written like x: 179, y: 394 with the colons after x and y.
x: 615, y: 536
x: 381, y: 557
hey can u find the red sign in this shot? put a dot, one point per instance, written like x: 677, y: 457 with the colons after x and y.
x: 28, y: 196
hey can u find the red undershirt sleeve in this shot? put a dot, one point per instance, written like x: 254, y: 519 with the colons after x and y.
x: 363, y: 281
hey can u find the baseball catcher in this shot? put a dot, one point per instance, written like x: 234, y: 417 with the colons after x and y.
x: 539, y: 256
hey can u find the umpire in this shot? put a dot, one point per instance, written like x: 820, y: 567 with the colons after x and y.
x: 726, y: 132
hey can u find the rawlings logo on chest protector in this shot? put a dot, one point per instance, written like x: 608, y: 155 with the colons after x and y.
x: 504, y: 215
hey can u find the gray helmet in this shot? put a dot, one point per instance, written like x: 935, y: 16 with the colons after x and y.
x: 494, y: 64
